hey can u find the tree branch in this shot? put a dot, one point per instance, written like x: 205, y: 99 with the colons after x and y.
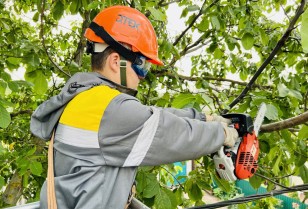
x: 187, y: 78
x: 82, y: 42
x: 29, y: 112
x: 288, y: 123
x: 13, y: 190
x: 43, y: 41
x: 280, y: 43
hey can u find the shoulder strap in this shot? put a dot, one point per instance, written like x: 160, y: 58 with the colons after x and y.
x: 51, y: 194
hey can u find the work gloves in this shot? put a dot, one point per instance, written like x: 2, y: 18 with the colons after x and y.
x: 231, y: 134
x: 217, y: 119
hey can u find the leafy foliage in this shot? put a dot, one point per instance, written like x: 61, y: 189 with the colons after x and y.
x: 226, y: 41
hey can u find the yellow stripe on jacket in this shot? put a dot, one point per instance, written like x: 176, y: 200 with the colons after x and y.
x: 85, y: 111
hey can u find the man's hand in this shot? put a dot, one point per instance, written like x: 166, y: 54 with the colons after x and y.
x: 217, y: 119
x: 231, y: 135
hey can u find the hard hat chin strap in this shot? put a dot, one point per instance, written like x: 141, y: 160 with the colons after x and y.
x: 122, y: 50
x: 123, y: 64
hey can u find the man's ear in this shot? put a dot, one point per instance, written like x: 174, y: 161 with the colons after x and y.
x: 114, y: 61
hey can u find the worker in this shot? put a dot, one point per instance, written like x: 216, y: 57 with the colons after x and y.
x: 103, y: 133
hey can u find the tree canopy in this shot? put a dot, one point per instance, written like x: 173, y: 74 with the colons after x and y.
x: 225, y: 44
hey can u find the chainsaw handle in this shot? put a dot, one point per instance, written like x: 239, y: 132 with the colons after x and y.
x: 221, y: 152
x: 241, y: 122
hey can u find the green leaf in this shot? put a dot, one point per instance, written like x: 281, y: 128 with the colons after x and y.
x: 5, y: 26
x: 93, y: 5
x: 264, y: 146
x: 3, y: 86
x: 204, y: 24
x: 264, y: 37
x: 58, y: 10
x: 247, y: 41
x: 1, y: 182
x: 40, y: 83
x: 25, y: 180
x: 295, y: 94
x: 14, y: 60
x: 303, y: 133
x: 2, y: 149
x: 32, y: 60
x: 255, y: 181
x: 13, y: 86
x: 182, y: 100
x: 287, y: 138
x: 31, y: 151
x: 5, y: 118
x: 218, y: 53
x: 36, y: 17
x: 192, y: 8
x: 241, y: 206
x: 157, y: 14
x: 194, y: 192
x: 243, y: 75
x: 283, y: 90
x: 273, y: 153
x: 152, y: 186
x: 165, y: 200
x: 74, y: 7
x: 271, y: 112
x: 303, y: 172
x: 5, y: 76
x: 36, y: 168
x: 304, y: 31
x: 215, y: 22
x: 223, y: 184
x: 23, y: 163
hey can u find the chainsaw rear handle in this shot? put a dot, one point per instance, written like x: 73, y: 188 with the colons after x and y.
x: 241, y: 122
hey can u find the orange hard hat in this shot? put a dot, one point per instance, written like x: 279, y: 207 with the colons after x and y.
x: 127, y: 25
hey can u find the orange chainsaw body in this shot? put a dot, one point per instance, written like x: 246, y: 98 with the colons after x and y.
x: 247, y: 156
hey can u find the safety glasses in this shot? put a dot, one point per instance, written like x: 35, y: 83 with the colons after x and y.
x: 141, y: 69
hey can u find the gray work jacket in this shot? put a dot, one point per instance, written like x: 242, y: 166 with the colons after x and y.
x: 103, y: 135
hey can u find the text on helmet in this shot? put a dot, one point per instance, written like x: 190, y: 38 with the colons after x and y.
x: 127, y: 21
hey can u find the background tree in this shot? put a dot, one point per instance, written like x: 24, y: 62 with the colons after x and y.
x: 227, y: 43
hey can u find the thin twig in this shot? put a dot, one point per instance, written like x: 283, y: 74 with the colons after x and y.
x: 274, y: 182
x: 201, y: 11
x: 173, y: 177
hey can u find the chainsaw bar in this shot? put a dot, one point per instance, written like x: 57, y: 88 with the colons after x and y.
x: 259, y: 118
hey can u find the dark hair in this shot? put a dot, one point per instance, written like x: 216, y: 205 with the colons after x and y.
x: 98, y: 60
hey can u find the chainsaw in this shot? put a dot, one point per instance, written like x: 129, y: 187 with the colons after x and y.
x: 241, y: 160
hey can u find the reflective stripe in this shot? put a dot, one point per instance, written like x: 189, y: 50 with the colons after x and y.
x: 144, y: 140
x: 76, y: 136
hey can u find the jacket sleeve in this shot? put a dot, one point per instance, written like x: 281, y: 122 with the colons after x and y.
x: 132, y: 134
x: 186, y: 112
